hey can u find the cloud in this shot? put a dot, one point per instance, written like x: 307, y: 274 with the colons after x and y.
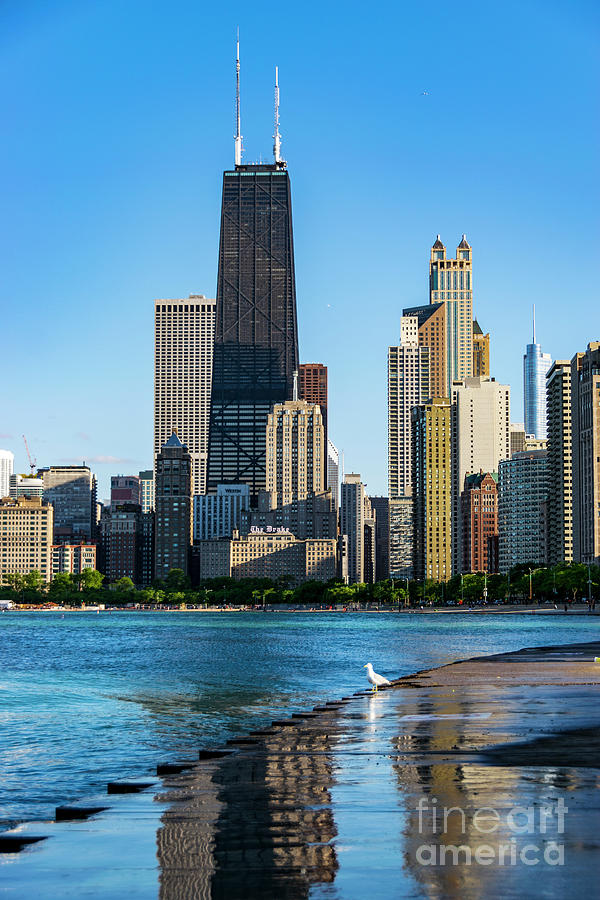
x: 6, y: 437
x: 100, y: 459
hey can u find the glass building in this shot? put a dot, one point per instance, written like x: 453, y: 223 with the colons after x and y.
x: 256, y: 336
x: 535, y: 366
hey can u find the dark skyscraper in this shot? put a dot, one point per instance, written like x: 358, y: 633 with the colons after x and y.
x: 256, y: 337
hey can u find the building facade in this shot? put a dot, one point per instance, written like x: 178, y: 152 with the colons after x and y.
x: 173, y: 501
x: 535, y: 368
x: 481, y: 351
x: 522, y: 496
x: 560, y: 463
x: 352, y: 524
x: 295, y: 452
x: 333, y: 472
x: 432, y: 490
x: 73, y: 558
x: 381, y: 508
x: 479, y: 512
x: 450, y: 283
x: 72, y: 492
x: 313, y: 389
x: 256, y: 336
x: 26, y: 527
x: 184, y: 332
x: 147, y: 490
x: 401, y: 537
x: 7, y: 464
x: 26, y: 486
x: 431, y: 321
x: 126, y: 544
x: 480, y: 439
x: 218, y: 515
x: 585, y: 418
x: 125, y: 489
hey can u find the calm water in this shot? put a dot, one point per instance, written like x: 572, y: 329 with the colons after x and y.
x: 88, y: 698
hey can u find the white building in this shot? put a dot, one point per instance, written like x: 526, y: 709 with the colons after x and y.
x: 352, y: 517
x: 216, y: 516
x: 295, y: 452
x: 333, y: 473
x: 522, y: 497
x: 184, y: 339
x: 480, y: 440
x: 7, y: 464
x: 26, y: 486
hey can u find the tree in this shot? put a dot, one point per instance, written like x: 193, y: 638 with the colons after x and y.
x: 34, y: 581
x: 62, y: 583
x: 124, y: 584
x: 15, y: 580
x: 177, y: 580
x: 89, y: 580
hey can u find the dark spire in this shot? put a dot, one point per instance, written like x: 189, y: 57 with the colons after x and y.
x: 464, y: 245
x: 438, y: 244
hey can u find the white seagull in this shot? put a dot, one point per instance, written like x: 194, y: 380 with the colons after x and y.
x: 375, y: 679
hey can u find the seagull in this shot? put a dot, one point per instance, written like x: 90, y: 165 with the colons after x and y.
x: 375, y: 679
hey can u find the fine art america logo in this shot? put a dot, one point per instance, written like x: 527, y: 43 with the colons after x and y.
x: 517, y: 836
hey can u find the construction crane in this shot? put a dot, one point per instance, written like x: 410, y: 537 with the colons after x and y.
x: 32, y: 462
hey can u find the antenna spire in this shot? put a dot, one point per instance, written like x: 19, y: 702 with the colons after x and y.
x: 238, y: 136
x: 277, y: 136
x: 534, y: 323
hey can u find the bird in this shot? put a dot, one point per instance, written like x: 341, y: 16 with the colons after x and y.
x: 375, y: 679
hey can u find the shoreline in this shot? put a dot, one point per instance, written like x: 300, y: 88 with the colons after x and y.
x: 579, y: 609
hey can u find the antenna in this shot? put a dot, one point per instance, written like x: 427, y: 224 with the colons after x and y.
x: 238, y: 136
x: 277, y: 136
x: 295, y: 393
x: 534, y: 323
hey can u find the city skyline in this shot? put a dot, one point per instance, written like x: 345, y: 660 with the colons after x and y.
x: 334, y: 299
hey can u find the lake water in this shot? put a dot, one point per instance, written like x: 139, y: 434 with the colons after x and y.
x: 87, y: 698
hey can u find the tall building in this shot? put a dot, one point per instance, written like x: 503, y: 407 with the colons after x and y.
x: 313, y: 389
x: 450, y: 283
x: 7, y: 463
x: 479, y: 512
x: 184, y: 333
x: 585, y: 417
x: 352, y: 523
x: 370, y: 543
x: 381, y: 508
x: 125, y: 489
x: 126, y: 544
x: 535, y: 368
x: 431, y: 334
x: 25, y: 537
x: 517, y: 437
x: 73, y: 558
x: 333, y: 472
x: 147, y: 490
x: 72, y: 492
x: 408, y: 386
x: 295, y: 442
x: 480, y: 439
x: 401, y: 537
x: 560, y: 463
x: 481, y: 350
x: 432, y: 490
x: 26, y: 486
x: 256, y: 337
x: 173, y: 500
x: 218, y: 515
x: 522, y: 495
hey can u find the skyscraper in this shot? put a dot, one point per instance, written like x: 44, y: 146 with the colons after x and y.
x: 431, y: 324
x: 72, y: 492
x: 535, y: 368
x: 173, y: 499
x: 479, y: 513
x: 523, y: 491
x: 184, y: 336
x: 432, y: 489
x: 352, y: 517
x: 560, y: 463
x: 295, y: 458
x: 585, y: 416
x: 313, y: 388
x: 480, y: 439
x: 256, y: 337
x: 450, y: 283
x: 481, y: 350
x: 333, y: 472
x: 7, y: 462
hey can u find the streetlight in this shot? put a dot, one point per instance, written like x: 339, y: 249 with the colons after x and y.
x: 530, y: 587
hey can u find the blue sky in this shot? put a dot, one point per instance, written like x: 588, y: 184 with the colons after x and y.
x: 399, y: 121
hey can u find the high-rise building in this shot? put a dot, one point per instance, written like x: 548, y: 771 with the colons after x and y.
x: 218, y: 515
x: 184, y: 333
x: 147, y: 490
x: 585, y: 418
x: 480, y: 439
x: 408, y: 386
x: 522, y: 495
x: 560, y: 463
x: 25, y: 537
x: 352, y: 523
x: 481, y: 350
x: 333, y: 472
x: 517, y: 437
x: 535, y: 369
x: 295, y: 442
x: 313, y: 389
x: 370, y: 543
x: 125, y: 489
x: 173, y: 501
x: 450, y: 283
x: 479, y: 513
x: 256, y: 337
x: 401, y: 537
x: 381, y: 508
x: 126, y: 544
x: 26, y: 486
x: 73, y: 558
x: 431, y: 334
x: 7, y: 463
x: 432, y: 490
x: 72, y: 492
